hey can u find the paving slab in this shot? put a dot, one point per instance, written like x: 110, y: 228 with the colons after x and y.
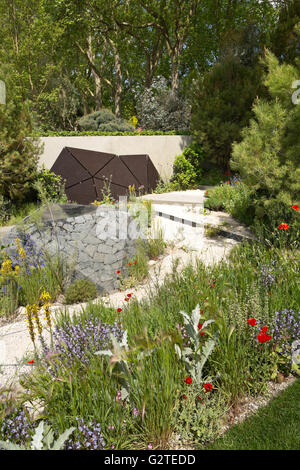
x: 195, y: 196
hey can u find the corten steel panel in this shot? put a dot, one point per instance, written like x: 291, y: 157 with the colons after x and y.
x: 82, y: 193
x: 91, y: 160
x: 118, y: 173
x: 137, y: 164
x: 86, y: 171
x: 115, y: 189
x: 153, y: 176
x: 69, y: 168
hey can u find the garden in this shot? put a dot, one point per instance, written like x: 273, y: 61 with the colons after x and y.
x: 200, y: 360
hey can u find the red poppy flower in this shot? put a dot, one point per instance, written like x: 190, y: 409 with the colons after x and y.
x: 119, y: 310
x: 134, y: 262
x: 295, y: 207
x: 184, y: 397
x: 208, y: 387
x: 188, y: 380
x: 30, y: 362
x: 283, y: 226
x: 264, y: 329
x: 262, y: 338
x: 252, y: 321
x: 126, y: 299
x: 118, y: 272
x: 129, y: 264
x: 227, y: 181
x: 128, y: 295
x: 199, y: 328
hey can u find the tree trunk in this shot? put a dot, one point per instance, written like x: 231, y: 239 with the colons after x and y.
x: 96, y: 76
x: 118, y: 90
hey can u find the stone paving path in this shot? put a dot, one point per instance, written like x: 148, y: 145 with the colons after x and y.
x: 189, y: 244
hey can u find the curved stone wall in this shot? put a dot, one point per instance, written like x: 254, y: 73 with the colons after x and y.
x: 97, y: 241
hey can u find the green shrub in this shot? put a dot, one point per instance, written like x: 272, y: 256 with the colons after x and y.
x: 105, y: 121
x: 166, y: 187
x: 81, y: 290
x: 95, y: 133
x: 183, y: 172
x: 268, y: 158
x: 234, y: 198
x: 187, y: 170
x: 222, y: 102
x: 50, y: 187
x: 18, y: 154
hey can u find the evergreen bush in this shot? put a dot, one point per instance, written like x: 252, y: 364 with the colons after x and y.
x: 105, y: 121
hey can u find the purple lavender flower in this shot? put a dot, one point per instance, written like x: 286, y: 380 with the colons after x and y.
x: 285, y: 330
x: 87, y: 437
x: 78, y: 342
x: 16, y: 427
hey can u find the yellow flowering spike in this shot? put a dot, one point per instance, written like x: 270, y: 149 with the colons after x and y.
x: 35, y: 315
x: 47, y: 315
x: 30, y: 322
x: 45, y: 297
x: 22, y: 253
x: 6, y: 267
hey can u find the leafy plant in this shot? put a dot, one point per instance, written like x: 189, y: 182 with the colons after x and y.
x: 81, y: 290
x: 18, y: 154
x: 195, y: 355
x: 104, y: 120
x: 158, y: 108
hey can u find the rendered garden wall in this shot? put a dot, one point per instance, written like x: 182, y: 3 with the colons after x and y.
x: 162, y: 149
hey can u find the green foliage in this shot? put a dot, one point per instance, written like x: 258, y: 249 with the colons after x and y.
x: 104, y: 121
x: 197, y: 353
x: 95, y: 133
x: 233, y: 198
x: 160, y: 108
x: 222, y: 102
x: 155, y: 242
x: 50, y: 187
x: 183, y: 172
x: 187, y: 169
x: 18, y: 155
x: 166, y: 187
x: 81, y: 290
x: 197, y: 417
x: 268, y: 156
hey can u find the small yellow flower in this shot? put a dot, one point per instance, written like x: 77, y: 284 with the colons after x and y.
x: 45, y: 297
x: 6, y: 267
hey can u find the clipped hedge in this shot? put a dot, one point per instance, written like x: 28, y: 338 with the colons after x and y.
x: 99, y: 133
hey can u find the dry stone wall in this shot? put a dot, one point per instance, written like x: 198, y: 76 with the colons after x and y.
x: 94, y: 241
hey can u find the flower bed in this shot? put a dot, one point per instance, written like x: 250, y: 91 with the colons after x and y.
x: 169, y: 371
